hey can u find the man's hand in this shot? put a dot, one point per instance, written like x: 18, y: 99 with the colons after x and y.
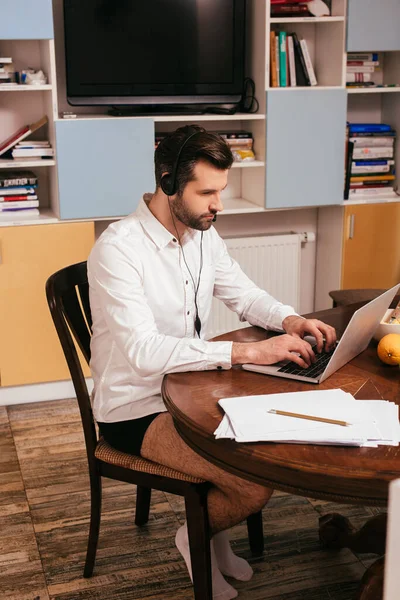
x: 299, y: 327
x: 272, y: 350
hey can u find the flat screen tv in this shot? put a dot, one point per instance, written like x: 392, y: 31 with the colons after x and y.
x: 154, y: 52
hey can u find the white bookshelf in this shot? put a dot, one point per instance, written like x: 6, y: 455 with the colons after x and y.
x: 23, y: 104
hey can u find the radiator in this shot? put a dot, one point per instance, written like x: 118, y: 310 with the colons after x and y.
x: 273, y: 263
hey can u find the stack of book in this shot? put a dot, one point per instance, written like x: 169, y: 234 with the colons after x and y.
x: 289, y: 8
x: 6, y: 70
x: 18, y: 194
x: 32, y: 149
x: 7, y: 146
x: 370, y: 161
x: 300, y: 8
x: 240, y: 143
x: 361, y: 68
x: 290, y: 61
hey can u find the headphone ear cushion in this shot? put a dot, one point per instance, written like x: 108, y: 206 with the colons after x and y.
x: 166, y: 185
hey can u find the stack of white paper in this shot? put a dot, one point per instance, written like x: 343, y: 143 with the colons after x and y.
x: 370, y: 422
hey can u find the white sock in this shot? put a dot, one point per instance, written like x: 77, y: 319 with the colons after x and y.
x: 221, y: 588
x: 228, y: 563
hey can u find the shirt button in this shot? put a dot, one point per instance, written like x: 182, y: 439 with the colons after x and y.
x: 219, y: 367
x: 188, y: 312
x: 187, y: 282
x: 174, y: 239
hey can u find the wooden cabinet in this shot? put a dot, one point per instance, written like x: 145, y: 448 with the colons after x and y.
x: 371, y: 246
x: 26, y: 19
x: 29, y: 348
x: 373, y: 26
x: 305, y: 147
x: 104, y: 166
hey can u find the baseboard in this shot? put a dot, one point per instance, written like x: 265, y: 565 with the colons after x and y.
x: 39, y: 392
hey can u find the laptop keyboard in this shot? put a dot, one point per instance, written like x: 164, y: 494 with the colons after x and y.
x: 312, y: 371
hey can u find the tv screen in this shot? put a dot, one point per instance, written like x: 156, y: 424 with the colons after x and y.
x: 122, y: 52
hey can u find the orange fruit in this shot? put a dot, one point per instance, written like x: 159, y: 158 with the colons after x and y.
x: 389, y: 349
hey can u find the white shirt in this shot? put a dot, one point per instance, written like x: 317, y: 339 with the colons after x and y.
x: 142, y: 304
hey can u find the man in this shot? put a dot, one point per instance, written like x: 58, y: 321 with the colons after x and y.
x: 152, y: 277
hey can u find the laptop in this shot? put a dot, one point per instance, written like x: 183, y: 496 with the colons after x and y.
x: 354, y: 340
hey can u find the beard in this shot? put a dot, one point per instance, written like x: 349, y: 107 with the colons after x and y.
x: 186, y: 216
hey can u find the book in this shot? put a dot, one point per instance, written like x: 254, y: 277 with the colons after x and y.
x: 372, y: 177
x: 356, y: 69
x: 372, y: 191
x: 19, y: 135
x: 307, y: 60
x: 362, y: 56
x: 19, y: 213
x: 376, y: 152
x: 10, y: 191
x: 369, y: 127
x: 6, y: 206
x: 10, y: 179
x: 302, y: 78
x: 362, y: 63
x: 5, y: 60
x: 292, y: 64
x: 373, y: 183
x: 372, y: 140
x: 272, y: 61
x: 282, y: 58
x: 25, y: 152
x: 277, y: 58
x: 290, y: 10
x: 235, y: 134
x: 361, y: 167
x: 349, y: 157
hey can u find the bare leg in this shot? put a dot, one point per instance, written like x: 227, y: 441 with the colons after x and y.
x: 231, y: 500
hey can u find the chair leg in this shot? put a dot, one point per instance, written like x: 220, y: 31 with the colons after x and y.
x: 95, y: 514
x: 256, y: 533
x: 143, y: 497
x: 199, y: 542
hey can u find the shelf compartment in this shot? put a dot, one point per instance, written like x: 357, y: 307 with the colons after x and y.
x: 46, y: 217
x: 234, y: 206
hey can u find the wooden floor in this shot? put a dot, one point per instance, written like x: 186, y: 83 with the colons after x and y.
x: 44, y: 515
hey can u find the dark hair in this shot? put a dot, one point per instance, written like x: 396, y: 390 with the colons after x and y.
x: 206, y: 146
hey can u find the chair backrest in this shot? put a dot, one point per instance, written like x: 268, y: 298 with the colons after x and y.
x: 67, y: 294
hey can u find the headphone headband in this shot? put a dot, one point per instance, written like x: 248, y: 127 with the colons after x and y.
x: 168, y: 181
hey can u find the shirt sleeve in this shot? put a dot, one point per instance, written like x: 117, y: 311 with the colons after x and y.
x: 244, y: 297
x: 116, y: 285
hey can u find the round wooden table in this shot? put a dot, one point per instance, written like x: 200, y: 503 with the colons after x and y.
x: 346, y: 475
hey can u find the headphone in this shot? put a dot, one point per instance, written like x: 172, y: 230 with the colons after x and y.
x: 168, y: 181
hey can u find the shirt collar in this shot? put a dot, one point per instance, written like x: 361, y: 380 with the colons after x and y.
x: 158, y: 233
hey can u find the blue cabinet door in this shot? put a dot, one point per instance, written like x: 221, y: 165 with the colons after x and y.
x: 373, y: 25
x: 104, y: 166
x: 26, y: 20
x: 305, y: 147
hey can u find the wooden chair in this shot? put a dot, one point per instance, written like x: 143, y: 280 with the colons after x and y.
x: 68, y: 297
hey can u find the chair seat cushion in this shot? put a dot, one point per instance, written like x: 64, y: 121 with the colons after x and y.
x: 108, y: 454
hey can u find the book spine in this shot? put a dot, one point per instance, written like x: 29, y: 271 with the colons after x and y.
x: 369, y: 128
x: 292, y: 65
x: 363, y: 63
x: 301, y: 69
x: 350, y: 147
x: 373, y: 141
x: 307, y: 60
x: 277, y: 58
x: 5, y: 206
x: 362, y: 56
x: 8, y: 183
x: 282, y: 58
x: 356, y: 178
x: 360, y: 69
x: 272, y: 61
x: 358, y: 77
x: 370, y: 153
